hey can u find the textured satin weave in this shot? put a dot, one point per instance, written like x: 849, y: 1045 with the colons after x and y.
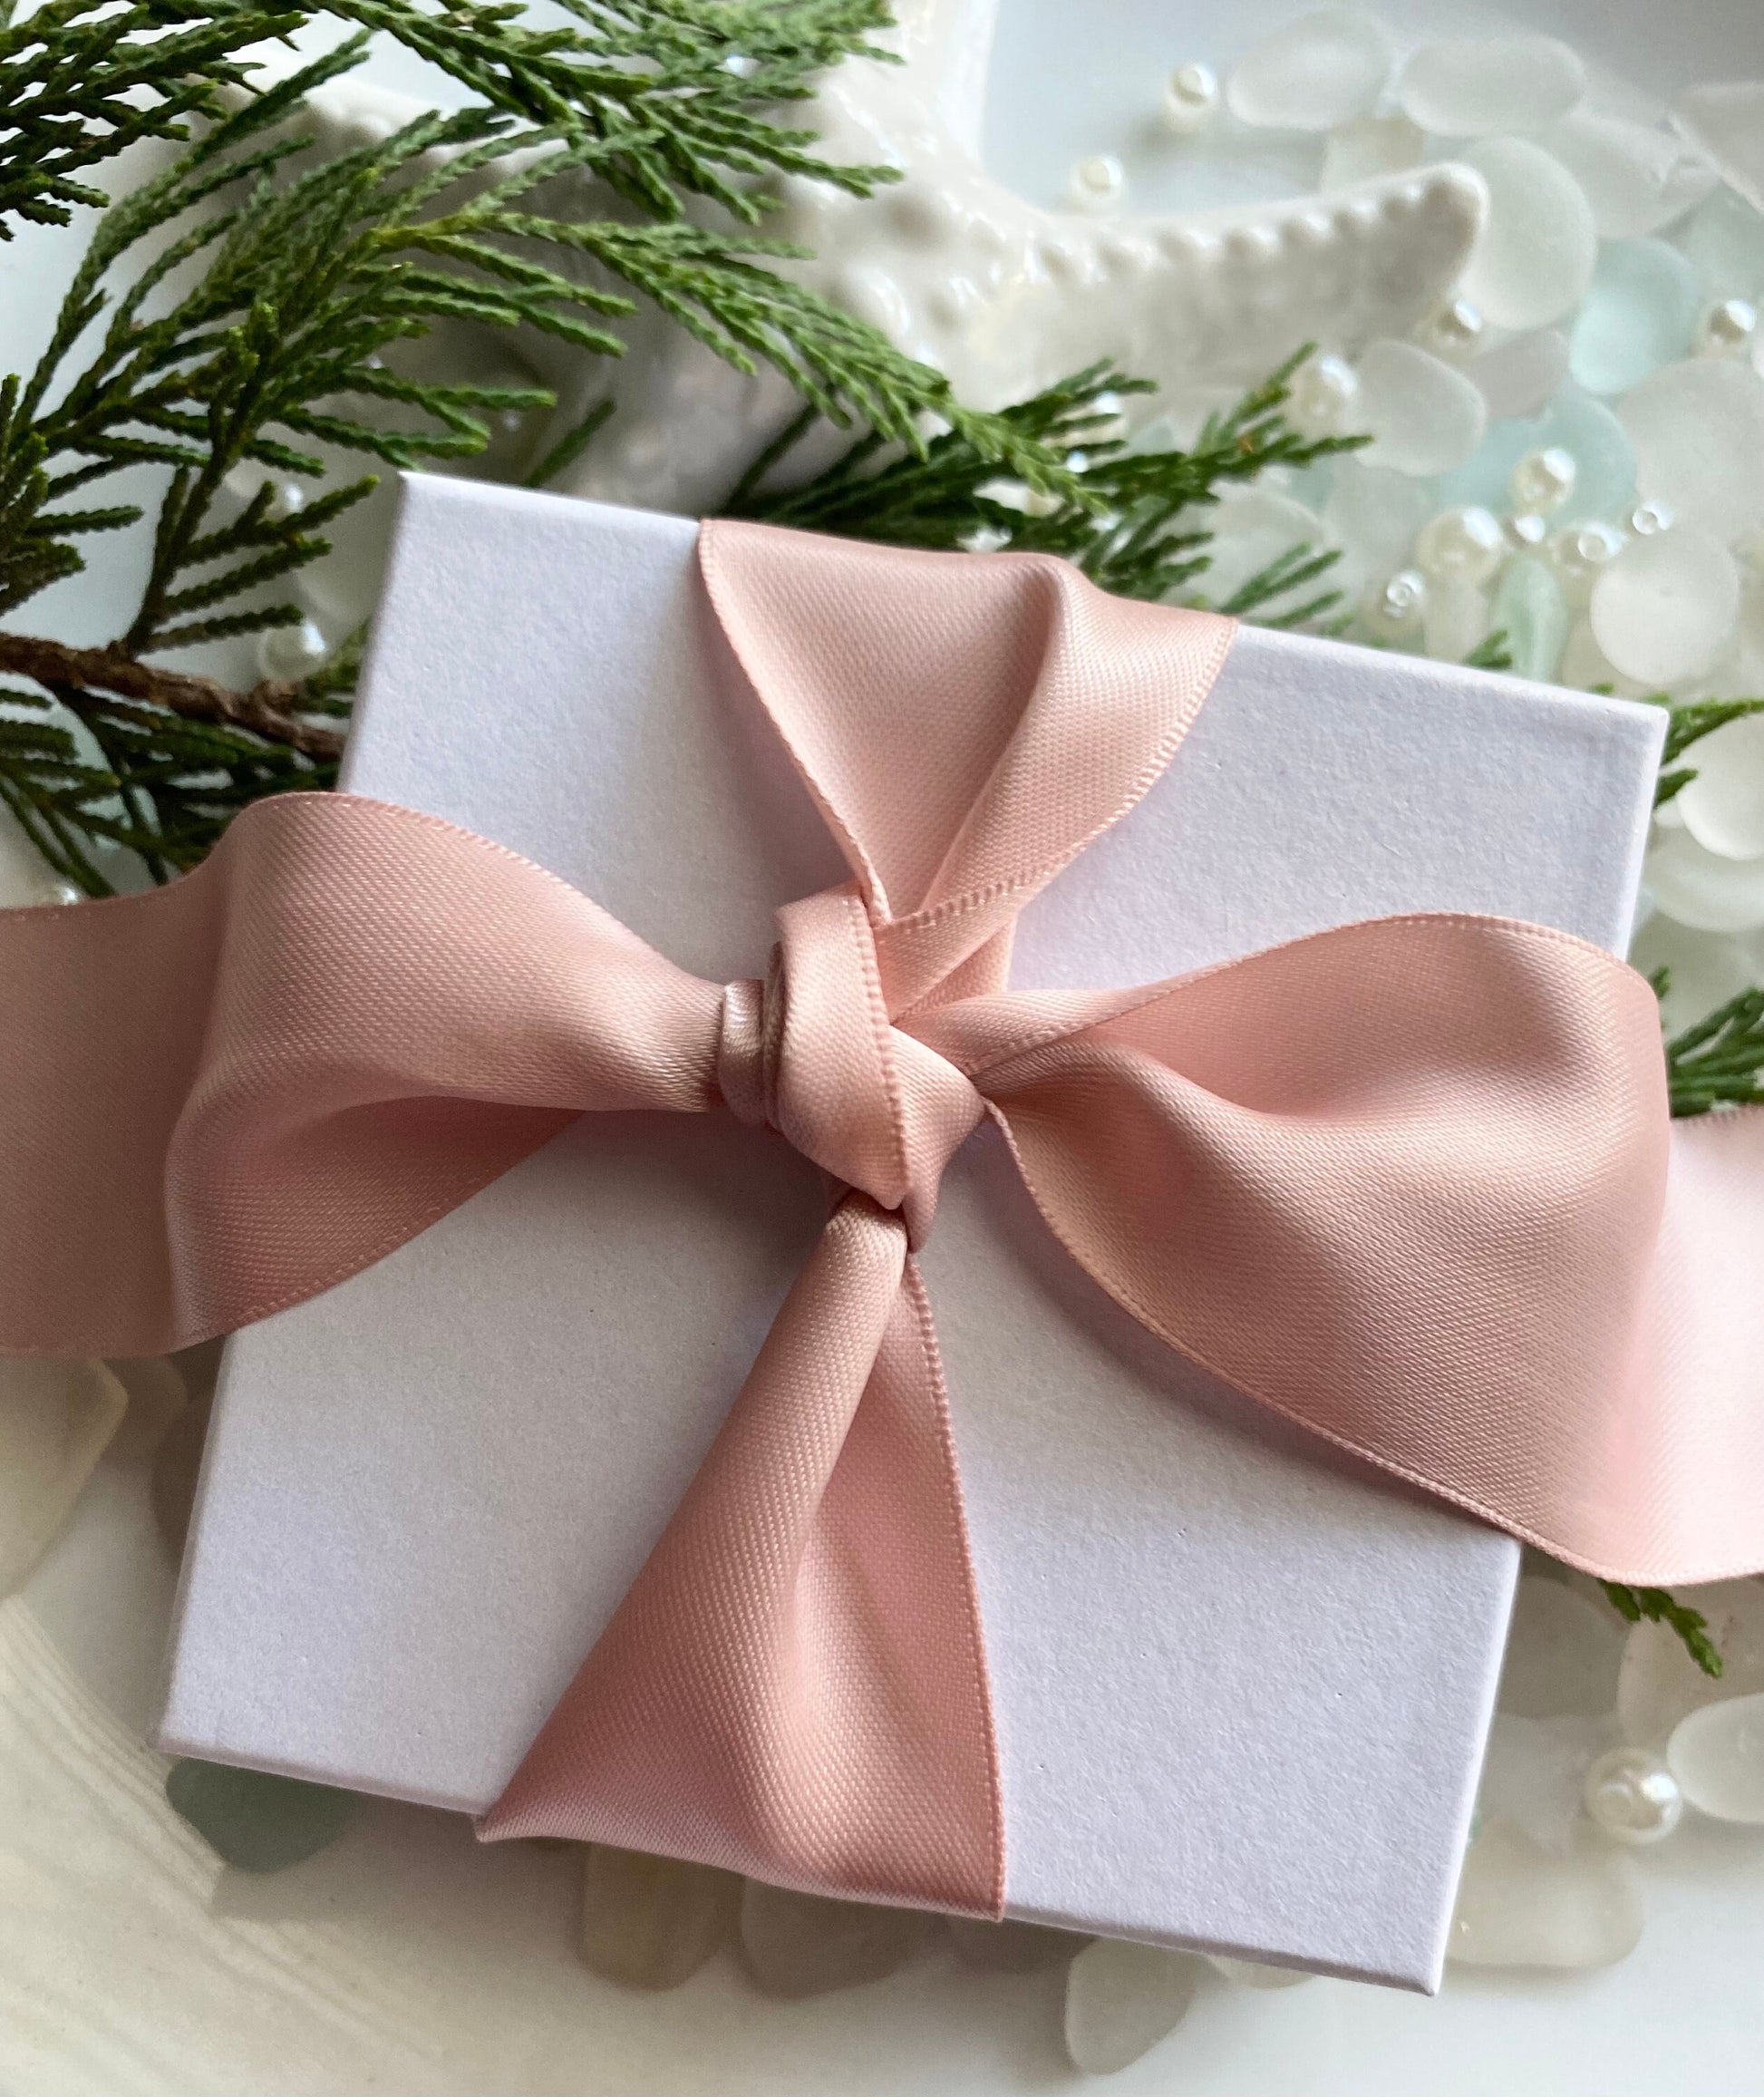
x: 1408, y: 1182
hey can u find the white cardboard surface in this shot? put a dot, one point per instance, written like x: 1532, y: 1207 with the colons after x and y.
x: 1241, y: 1684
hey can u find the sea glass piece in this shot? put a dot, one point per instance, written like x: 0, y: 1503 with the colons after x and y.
x: 1717, y: 1754
x: 1311, y: 74
x: 254, y: 1820
x: 1473, y: 87
x: 157, y: 1395
x: 1704, y: 890
x: 1529, y: 608
x: 1660, y: 1684
x: 650, y: 1922
x: 1636, y: 178
x: 1584, y: 667
x: 177, y: 1464
x: 1369, y: 146
x: 1456, y: 618
x: 1250, y: 1973
x: 1520, y: 1906
x: 1697, y: 430
x: 1012, y: 1946
x: 799, y: 1944
x: 1639, y: 313
x: 1664, y: 609
x: 1250, y: 530
x: 1372, y: 515
x: 1535, y: 257
x: 1122, y: 1998
x: 57, y: 1419
x: 1424, y: 415
x: 1563, y: 1649
x: 1725, y: 239
x: 1726, y: 119
x: 1533, y: 1771
x: 1518, y: 376
x: 1724, y: 806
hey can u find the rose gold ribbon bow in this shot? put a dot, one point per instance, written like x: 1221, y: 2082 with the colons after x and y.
x: 1403, y: 1182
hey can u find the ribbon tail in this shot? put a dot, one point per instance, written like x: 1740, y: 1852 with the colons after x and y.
x: 795, y: 1686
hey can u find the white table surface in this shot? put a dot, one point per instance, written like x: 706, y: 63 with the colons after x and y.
x: 406, y: 1960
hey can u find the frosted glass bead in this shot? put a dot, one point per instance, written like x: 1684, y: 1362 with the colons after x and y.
x: 797, y: 1944
x: 650, y: 1922
x: 1638, y: 314
x: 1325, y: 396
x: 1660, y: 1684
x: 1536, y: 255
x: 1122, y: 1998
x: 1633, y: 1797
x: 1717, y: 1754
x: 1703, y: 888
x: 1518, y: 377
x: 1191, y: 98
x: 1726, y: 119
x: 57, y: 1419
x: 1724, y: 806
x: 1012, y: 1946
x: 1313, y: 74
x: 292, y: 652
x: 1580, y: 553
x: 1466, y: 542
x: 1726, y: 328
x: 1097, y: 181
x: 1424, y: 415
x: 254, y: 1820
x: 1530, y: 609
x: 1369, y: 146
x: 1518, y: 1905
x: 1473, y: 87
x: 1563, y: 1652
x: 1637, y: 178
x: 1697, y: 430
x: 1544, y: 480
x: 1397, y: 607
x: 1647, y: 519
x: 1725, y: 239
x: 1249, y: 1973
x: 1453, y: 330
x: 1456, y: 618
x: 1664, y: 609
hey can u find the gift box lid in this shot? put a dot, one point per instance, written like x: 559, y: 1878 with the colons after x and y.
x: 1241, y: 1684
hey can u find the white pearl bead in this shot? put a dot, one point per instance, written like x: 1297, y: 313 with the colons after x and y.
x: 1323, y: 393
x: 1098, y: 180
x: 1191, y: 96
x: 1452, y: 330
x: 1633, y: 1796
x: 59, y: 892
x: 1525, y: 532
x: 1579, y: 552
x: 290, y: 652
x: 1398, y: 606
x: 1544, y: 480
x: 1466, y: 542
x: 1726, y: 326
x: 1647, y: 520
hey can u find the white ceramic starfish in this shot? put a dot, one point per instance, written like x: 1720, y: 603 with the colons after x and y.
x: 1002, y: 294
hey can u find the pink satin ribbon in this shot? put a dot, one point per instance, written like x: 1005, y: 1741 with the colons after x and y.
x: 1406, y: 1182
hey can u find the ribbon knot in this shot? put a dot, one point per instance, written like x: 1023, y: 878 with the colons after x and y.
x: 812, y: 1050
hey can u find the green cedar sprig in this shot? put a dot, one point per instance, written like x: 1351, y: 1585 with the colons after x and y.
x: 1656, y: 1605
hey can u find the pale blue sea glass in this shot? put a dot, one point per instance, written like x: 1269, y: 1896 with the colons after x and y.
x: 1638, y: 314
x: 1530, y: 609
x: 1604, y: 463
x: 1724, y: 238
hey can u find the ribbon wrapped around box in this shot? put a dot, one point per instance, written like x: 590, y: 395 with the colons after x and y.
x: 1409, y: 1182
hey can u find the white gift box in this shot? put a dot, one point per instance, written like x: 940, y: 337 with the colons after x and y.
x: 1241, y: 1683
